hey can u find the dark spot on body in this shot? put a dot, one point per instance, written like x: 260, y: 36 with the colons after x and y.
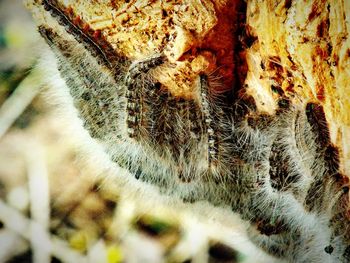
x: 100, y: 123
x: 314, y: 197
x: 284, y: 103
x: 268, y: 229
x: 329, y: 249
x: 245, y: 105
x: 317, y: 119
x: 280, y: 177
x: 86, y: 96
x: 138, y: 174
x: 220, y: 252
x: 183, y: 178
x: 275, y: 250
x: 347, y: 253
x: 188, y: 199
x: 331, y: 156
x: 341, y: 179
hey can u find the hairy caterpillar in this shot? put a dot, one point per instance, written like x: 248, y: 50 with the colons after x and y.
x: 279, y: 172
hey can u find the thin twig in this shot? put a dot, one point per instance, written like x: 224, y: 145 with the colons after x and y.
x: 21, y: 225
x: 11, y: 245
x: 38, y: 184
x: 14, y: 106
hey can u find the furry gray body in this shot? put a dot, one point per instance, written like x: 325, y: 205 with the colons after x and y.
x: 275, y: 171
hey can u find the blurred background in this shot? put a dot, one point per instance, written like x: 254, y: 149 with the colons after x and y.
x: 52, y: 208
